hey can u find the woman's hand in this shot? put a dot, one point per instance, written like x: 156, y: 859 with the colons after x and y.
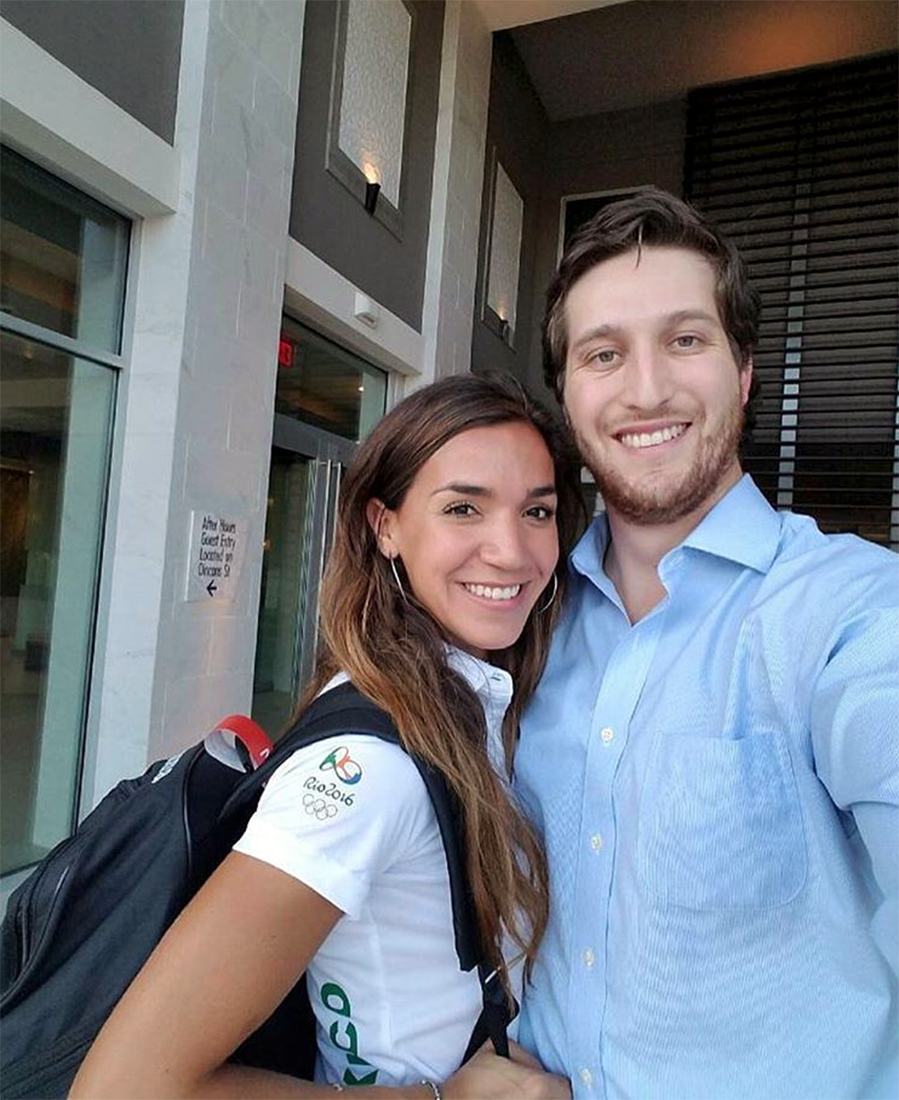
x: 519, y: 1077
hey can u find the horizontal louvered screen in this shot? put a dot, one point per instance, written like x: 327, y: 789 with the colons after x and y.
x: 801, y: 169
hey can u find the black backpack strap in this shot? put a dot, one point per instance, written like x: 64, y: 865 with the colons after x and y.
x: 496, y: 1014
x: 341, y: 710
x: 449, y: 821
x: 345, y: 710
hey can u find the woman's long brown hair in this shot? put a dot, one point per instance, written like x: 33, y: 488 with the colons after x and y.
x: 395, y: 653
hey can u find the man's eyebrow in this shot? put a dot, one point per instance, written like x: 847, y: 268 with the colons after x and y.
x: 690, y: 315
x: 595, y: 333
x: 481, y: 491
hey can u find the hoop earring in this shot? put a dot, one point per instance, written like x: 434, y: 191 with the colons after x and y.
x: 396, y: 577
x: 549, y: 602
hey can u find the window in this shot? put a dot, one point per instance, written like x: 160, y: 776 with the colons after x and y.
x: 63, y: 269
x: 326, y: 386
x: 801, y: 169
x: 500, y: 306
x: 370, y: 103
x: 577, y: 210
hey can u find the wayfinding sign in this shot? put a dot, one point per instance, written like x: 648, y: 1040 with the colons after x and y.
x: 217, y: 544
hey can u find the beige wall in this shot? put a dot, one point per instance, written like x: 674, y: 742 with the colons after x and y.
x: 649, y: 51
x: 609, y: 152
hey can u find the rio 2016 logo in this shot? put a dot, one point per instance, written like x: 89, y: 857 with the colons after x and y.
x: 343, y: 765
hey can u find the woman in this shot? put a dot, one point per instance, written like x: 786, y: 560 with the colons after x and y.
x: 450, y: 526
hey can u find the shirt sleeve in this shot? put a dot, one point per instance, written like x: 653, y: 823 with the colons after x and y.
x: 855, y: 733
x: 337, y: 814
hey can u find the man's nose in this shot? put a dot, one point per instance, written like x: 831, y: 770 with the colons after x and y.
x: 646, y: 379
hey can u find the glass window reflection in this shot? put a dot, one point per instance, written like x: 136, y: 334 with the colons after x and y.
x: 322, y: 384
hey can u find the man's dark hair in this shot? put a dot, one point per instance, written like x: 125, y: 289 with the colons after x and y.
x: 651, y: 218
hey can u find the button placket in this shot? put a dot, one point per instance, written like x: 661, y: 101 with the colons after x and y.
x: 613, y: 709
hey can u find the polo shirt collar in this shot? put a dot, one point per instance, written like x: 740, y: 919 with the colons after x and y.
x: 742, y: 527
x: 493, y: 687
x: 491, y: 684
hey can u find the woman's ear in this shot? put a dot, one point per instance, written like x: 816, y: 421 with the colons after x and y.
x: 380, y: 520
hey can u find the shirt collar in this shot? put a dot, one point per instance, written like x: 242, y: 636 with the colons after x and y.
x: 742, y: 527
x: 491, y: 684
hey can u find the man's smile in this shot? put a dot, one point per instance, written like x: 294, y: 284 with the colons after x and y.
x: 638, y: 440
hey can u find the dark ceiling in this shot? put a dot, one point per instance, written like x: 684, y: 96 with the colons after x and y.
x: 647, y: 51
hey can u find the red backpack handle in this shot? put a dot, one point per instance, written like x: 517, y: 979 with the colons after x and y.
x: 257, y: 741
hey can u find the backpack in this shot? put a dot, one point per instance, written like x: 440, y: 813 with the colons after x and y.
x: 78, y: 930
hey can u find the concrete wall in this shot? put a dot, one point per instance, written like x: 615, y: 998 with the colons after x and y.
x: 618, y: 150
x: 441, y: 344
x: 212, y: 266
x: 650, y: 51
x: 209, y: 287
x: 548, y: 161
x: 325, y: 217
x: 195, y: 410
x: 518, y: 132
x: 129, y: 52
x: 458, y: 184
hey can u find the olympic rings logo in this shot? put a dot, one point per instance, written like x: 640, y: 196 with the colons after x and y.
x: 342, y: 764
x: 317, y: 807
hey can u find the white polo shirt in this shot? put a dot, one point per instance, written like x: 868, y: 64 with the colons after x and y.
x: 351, y: 818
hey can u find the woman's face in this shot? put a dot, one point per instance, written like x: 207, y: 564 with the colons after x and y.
x: 477, y: 534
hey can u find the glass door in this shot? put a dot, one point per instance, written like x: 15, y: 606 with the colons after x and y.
x: 284, y: 575
x: 304, y: 485
x: 326, y: 400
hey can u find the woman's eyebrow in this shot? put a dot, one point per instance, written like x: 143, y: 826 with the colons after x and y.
x: 463, y: 489
x: 482, y: 491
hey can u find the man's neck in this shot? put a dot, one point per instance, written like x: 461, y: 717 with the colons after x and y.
x: 635, y: 550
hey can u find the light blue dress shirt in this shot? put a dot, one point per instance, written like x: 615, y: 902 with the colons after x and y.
x: 718, y: 787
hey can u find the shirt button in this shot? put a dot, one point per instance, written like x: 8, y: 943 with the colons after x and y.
x: 589, y: 957
x: 586, y: 1076
x: 596, y: 842
x: 606, y: 734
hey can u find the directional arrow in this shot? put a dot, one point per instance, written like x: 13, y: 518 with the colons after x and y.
x: 211, y: 588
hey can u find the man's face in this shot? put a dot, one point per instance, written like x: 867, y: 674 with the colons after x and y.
x: 652, y: 388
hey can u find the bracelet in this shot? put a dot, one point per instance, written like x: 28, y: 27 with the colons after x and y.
x: 434, y: 1087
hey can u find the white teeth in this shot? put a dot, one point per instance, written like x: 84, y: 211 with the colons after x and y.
x: 637, y: 440
x: 507, y: 593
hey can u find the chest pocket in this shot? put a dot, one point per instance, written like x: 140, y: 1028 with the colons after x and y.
x: 720, y: 825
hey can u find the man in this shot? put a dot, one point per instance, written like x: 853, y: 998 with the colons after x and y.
x: 712, y: 752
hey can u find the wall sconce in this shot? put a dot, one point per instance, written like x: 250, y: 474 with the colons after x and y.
x: 372, y: 190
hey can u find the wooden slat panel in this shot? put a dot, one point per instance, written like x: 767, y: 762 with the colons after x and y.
x: 801, y: 170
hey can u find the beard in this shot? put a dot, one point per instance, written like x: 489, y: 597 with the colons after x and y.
x: 659, y: 496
